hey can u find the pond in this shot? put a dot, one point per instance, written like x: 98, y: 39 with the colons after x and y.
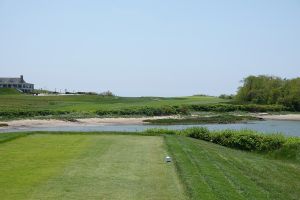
x: 291, y: 128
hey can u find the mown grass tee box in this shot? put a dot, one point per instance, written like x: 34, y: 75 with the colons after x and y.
x: 67, y: 166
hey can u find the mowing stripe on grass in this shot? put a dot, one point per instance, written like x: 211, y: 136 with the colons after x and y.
x: 281, y: 182
x: 188, y: 171
x: 237, y: 179
x: 232, y: 174
x: 28, y: 161
x: 52, y: 166
x: 220, y: 187
x: 216, y: 179
x: 116, y: 167
x: 6, y: 137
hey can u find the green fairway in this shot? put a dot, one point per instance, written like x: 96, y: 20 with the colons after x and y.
x: 48, y: 166
x: 88, y: 103
x: 210, y: 171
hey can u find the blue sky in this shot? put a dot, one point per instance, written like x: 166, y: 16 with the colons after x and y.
x: 143, y: 48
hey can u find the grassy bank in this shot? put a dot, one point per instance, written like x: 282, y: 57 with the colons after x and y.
x: 9, y: 91
x: 214, y: 119
x: 210, y: 171
x: 275, y: 146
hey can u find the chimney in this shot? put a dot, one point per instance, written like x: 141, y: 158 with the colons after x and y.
x: 22, y: 79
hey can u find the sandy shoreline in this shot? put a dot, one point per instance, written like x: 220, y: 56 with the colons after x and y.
x: 291, y: 117
x: 36, y: 123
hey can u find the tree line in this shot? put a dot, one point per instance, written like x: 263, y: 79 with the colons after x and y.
x: 270, y: 90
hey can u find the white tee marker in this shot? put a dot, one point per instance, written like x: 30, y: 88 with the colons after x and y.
x: 168, y: 159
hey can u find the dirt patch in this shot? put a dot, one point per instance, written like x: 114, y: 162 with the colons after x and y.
x: 3, y: 124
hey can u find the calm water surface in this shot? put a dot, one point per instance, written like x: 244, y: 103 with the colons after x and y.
x: 291, y: 128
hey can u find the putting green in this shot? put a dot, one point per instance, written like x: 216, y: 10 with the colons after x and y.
x: 49, y: 166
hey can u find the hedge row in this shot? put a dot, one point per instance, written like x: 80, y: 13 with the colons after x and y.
x: 146, y: 110
x: 186, y: 109
x: 13, y: 114
x: 242, y: 139
x: 234, y: 107
x: 239, y: 139
x: 152, y: 111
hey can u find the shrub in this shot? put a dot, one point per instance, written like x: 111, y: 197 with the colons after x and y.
x: 225, y: 96
x: 276, y: 145
x: 239, y: 139
x: 27, y: 113
x: 145, y: 110
x: 234, y: 107
x: 107, y: 93
x: 186, y: 109
x: 201, y: 133
x: 248, y: 140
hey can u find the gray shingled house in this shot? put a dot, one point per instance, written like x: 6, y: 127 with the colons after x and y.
x: 17, y: 83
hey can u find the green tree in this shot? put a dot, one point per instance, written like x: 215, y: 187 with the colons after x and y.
x: 270, y: 90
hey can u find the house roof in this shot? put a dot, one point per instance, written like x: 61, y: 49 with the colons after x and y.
x: 11, y: 80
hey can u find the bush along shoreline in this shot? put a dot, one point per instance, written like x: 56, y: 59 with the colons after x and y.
x: 187, y: 109
x: 274, y: 145
x: 214, y: 119
x: 145, y: 111
x: 247, y: 140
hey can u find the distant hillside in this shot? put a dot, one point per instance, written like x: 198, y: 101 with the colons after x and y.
x: 4, y: 91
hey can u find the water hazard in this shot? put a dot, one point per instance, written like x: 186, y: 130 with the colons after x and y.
x: 291, y: 128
